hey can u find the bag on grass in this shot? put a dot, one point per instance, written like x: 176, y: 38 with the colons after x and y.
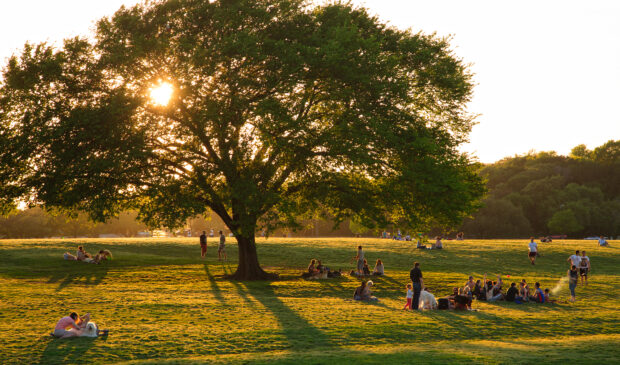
x: 443, y: 303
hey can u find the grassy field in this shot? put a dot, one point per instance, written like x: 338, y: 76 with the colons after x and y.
x: 163, y: 304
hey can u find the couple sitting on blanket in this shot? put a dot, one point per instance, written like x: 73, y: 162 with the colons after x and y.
x: 316, y: 270
x: 75, y: 326
x: 84, y: 256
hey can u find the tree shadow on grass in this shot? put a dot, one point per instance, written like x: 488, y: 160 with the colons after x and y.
x: 299, y: 333
x: 84, y: 274
x: 67, y: 351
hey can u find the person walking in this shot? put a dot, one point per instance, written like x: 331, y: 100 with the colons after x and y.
x: 533, y: 247
x: 574, y: 260
x: 203, y: 244
x: 584, y: 268
x: 418, y: 283
x: 573, y: 277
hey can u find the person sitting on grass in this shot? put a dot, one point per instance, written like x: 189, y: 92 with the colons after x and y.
x: 547, y: 297
x: 511, y: 293
x: 602, y: 242
x: 357, y: 295
x: 365, y: 268
x: 378, y: 270
x: 460, y: 300
x: 493, y: 289
x: 419, y: 241
x: 539, y: 295
x: 524, y: 291
x: 60, y: 331
x: 477, y: 291
x: 82, y: 255
x: 311, y: 267
x: 438, y: 245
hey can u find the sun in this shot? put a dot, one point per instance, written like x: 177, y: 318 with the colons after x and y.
x: 161, y: 93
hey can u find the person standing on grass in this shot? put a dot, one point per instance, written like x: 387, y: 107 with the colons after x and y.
x: 533, y: 247
x: 360, y: 261
x: 409, y: 297
x: 418, y: 283
x: 221, y: 250
x: 203, y: 244
x: 584, y: 267
x: 574, y: 260
x: 573, y: 277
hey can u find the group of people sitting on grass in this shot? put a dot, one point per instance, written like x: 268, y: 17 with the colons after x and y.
x: 362, y: 265
x: 316, y: 270
x: 84, y: 256
x: 491, y: 291
x: 438, y: 245
x: 76, y: 326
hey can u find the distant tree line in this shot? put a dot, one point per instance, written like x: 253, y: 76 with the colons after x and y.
x: 532, y: 195
x: 548, y: 194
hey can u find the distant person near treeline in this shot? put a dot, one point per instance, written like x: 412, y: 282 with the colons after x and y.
x: 203, y: 244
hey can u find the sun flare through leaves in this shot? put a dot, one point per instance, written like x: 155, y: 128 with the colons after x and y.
x: 162, y: 93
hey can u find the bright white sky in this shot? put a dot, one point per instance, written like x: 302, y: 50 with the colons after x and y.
x: 547, y: 72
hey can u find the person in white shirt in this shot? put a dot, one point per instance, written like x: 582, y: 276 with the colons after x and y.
x: 602, y: 242
x: 574, y: 259
x: 584, y: 267
x: 533, y: 251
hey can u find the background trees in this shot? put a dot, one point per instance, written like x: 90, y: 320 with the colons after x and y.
x: 540, y: 194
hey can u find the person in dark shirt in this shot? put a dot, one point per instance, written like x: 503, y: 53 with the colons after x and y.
x: 512, y: 292
x: 203, y: 244
x: 418, y: 283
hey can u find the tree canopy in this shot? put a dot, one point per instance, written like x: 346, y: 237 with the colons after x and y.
x: 278, y: 110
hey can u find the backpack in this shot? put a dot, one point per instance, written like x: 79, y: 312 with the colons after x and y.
x: 443, y: 303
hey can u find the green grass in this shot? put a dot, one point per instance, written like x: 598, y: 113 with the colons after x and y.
x: 163, y: 304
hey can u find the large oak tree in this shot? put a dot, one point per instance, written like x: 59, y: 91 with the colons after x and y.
x: 278, y: 109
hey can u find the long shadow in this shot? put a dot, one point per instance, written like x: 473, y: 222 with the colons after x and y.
x: 297, y: 330
x: 67, y: 351
x: 217, y: 292
x: 85, y: 274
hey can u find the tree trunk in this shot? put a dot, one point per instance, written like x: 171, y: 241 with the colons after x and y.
x: 249, y: 268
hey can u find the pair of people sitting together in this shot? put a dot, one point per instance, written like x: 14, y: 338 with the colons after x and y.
x: 363, y: 292
x: 379, y: 269
x: 438, y: 245
x: 84, y: 256
x: 76, y: 326
x: 316, y: 270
